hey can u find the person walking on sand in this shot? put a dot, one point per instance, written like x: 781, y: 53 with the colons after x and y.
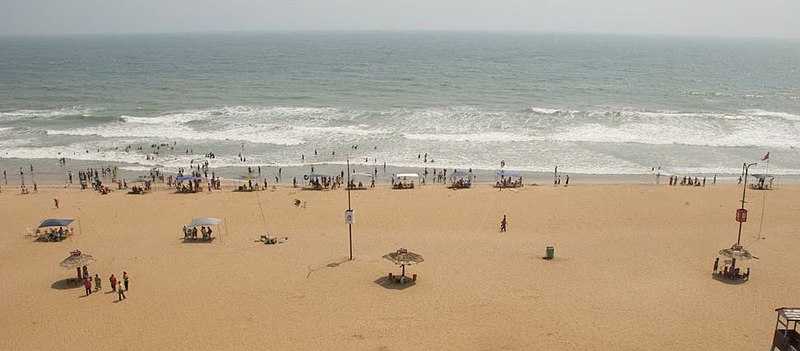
x: 56, y: 202
x: 113, y: 280
x: 503, y: 224
x: 125, y: 276
x: 97, y: 282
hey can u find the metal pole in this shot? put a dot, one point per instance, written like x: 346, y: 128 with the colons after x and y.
x: 349, y: 225
x: 763, y: 201
x: 744, y: 191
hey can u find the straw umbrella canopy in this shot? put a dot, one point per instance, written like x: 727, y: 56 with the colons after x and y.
x: 403, y: 257
x: 76, y: 259
x: 738, y: 252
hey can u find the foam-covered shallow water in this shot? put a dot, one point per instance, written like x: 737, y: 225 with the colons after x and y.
x: 590, y: 104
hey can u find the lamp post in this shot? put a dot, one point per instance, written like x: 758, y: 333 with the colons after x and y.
x: 349, y: 215
x: 746, y: 167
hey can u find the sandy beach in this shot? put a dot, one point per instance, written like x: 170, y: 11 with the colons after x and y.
x: 632, y: 270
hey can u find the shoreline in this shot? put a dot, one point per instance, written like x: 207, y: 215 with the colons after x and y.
x: 48, y: 172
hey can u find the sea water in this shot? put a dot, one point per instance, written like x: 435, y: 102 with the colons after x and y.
x: 595, y: 104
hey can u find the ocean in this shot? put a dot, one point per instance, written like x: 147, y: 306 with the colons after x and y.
x: 592, y: 104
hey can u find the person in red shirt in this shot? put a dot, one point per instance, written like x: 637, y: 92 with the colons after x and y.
x: 113, y: 281
x: 87, y: 283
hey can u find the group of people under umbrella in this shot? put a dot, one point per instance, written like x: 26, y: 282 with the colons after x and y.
x: 190, y: 232
x: 80, y: 261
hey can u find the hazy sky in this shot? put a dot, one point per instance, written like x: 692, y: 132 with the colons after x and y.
x: 747, y: 18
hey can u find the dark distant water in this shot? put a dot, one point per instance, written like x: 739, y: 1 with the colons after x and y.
x: 589, y: 103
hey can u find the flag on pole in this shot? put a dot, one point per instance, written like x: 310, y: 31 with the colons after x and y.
x: 766, y: 157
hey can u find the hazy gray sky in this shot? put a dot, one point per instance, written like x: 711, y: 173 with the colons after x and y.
x: 762, y: 18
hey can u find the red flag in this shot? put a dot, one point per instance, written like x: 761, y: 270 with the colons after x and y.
x: 766, y: 157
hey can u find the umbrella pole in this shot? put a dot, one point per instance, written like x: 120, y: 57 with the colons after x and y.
x: 403, y: 272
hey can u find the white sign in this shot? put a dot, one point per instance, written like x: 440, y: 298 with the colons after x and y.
x: 348, y: 217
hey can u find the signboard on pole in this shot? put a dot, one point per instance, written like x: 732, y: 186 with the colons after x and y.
x: 741, y: 215
x: 348, y: 217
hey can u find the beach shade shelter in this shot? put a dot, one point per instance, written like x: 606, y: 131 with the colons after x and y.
x: 461, y: 180
x: 762, y: 182
x: 357, y: 181
x: 405, y: 180
x: 787, y: 337
x: 191, y: 228
x: 54, y: 229
x: 403, y: 257
x: 194, y: 184
x: 507, y: 179
x: 732, y: 269
x: 76, y: 260
x: 250, y: 183
x: 140, y: 186
x: 316, y: 181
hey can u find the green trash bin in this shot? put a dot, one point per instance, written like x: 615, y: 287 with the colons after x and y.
x: 550, y: 253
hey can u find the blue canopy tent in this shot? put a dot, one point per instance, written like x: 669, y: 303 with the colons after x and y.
x: 54, y: 222
x: 47, y: 229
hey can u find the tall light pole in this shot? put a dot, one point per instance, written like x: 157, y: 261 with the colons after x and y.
x: 349, y: 216
x: 746, y: 167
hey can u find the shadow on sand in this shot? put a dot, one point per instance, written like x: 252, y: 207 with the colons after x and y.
x: 68, y: 283
x: 727, y: 281
x: 198, y: 241
x: 393, y: 284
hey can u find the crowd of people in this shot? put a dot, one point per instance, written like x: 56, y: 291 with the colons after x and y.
x: 191, y: 233
x: 53, y: 234
x: 688, y: 181
x: 93, y: 284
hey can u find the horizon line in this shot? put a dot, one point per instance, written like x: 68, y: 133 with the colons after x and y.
x: 399, y: 31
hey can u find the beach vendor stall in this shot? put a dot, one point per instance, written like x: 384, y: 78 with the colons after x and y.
x: 318, y: 181
x: 461, y: 180
x: 188, y: 184
x: 507, y: 179
x: 191, y: 233
x: 54, y: 229
x: 404, y: 181
x: 358, y: 180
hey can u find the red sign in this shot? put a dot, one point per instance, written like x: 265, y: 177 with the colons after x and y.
x: 741, y: 215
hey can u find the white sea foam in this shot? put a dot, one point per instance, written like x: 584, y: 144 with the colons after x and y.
x: 488, y: 137
x: 543, y: 111
x: 763, y: 113
x: 54, y: 113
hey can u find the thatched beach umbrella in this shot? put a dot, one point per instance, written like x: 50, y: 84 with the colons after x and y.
x: 403, y: 257
x: 737, y: 252
x: 76, y: 259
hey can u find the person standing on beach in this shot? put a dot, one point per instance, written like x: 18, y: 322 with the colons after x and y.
x: 503, y: 224
x: 97, y: 282
x: 87, y: 284
x: 125, y: 277
x: 5, y: 177
x: 566, y: 181
x: 120, y: 294
x: 113, y: 280
x: 56, y: 202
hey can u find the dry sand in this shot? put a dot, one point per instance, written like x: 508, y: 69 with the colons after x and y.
x: 632, y: 270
